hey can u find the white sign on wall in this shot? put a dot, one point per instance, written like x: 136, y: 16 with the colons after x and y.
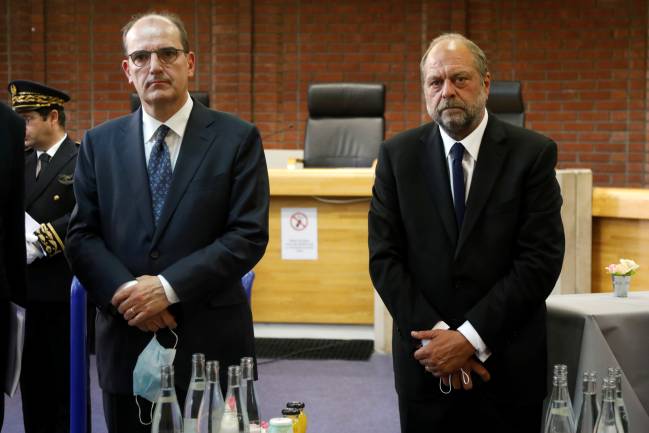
x: 299, y: 233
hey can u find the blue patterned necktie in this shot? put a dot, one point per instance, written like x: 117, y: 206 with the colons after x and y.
x: 457, y: 153
x: 159, y: 169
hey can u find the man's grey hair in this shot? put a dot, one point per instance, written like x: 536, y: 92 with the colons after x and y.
x: 175, y: 20
x: 479, y: 57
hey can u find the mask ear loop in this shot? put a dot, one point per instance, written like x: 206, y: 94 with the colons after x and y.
x: 450, y: 386
x: 175, y: 335
x: 465, y: 377
x: 139, y: 412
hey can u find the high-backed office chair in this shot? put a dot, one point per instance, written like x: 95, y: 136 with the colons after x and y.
x: 345, y: 125
x: 202, y: 97
x: 506, y: 102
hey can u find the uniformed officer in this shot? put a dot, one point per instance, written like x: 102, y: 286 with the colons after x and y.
x: 49, y: 198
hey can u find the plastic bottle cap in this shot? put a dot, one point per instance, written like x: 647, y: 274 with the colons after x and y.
x: 295, y: 404
x: 280, y: 422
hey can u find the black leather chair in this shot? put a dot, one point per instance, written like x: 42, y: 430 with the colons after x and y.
x: 202, y: 97
x: 345, y: 125
x: 506, y: 102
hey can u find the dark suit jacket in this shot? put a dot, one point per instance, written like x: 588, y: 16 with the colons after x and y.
x: 12, y: 219
x: 213, y: 229
x: 12, y: 211
x: 496, y: 272
x: 49, y: 200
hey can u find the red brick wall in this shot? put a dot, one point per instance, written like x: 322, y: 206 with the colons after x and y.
x: 583, y: 66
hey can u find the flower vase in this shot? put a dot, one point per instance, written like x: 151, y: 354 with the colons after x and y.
x: 621, y: 285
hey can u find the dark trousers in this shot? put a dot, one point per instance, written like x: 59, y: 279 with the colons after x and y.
x: 121, y: 412
x: 469, y: 412
x: 45, y: 374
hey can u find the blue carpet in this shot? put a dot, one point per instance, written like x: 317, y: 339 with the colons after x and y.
x: 340, y: 396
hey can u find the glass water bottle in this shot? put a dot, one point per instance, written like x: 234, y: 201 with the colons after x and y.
x: 248, y: 393
x: 559, y: 417
x: 209, y: 414
x: 620, y: 407
x: 608, y: 420
x: 589, y: 405
x: 234, y: 418
x: 194, y: 393
x: 166, y: 417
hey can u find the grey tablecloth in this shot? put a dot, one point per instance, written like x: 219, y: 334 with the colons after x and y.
x: 596, y: 331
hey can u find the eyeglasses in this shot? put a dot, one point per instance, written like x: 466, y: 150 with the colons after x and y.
x: 165, y: 55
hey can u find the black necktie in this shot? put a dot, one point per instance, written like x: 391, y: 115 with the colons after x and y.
x: 45, y: 161
x: 159, y: 169
x: 457, y: 152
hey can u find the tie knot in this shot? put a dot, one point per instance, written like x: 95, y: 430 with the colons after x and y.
x: 44, y: 158
x: 457, y: 151
x: 160, y: 134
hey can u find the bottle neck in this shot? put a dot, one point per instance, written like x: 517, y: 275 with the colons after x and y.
x: 198, y: 370
x: 560, y: 390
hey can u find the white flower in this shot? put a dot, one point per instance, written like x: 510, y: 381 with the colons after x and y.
x: 626, y: 267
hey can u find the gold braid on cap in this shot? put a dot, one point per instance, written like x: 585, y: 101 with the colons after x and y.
x: 49, y: 240
x: 32, y: 99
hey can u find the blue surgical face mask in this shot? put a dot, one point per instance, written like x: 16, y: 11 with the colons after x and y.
x: 146, y: 374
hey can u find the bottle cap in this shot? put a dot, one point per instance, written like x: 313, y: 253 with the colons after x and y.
x: 295, y: 404
x: 280, y: 422
x: 291, y: 411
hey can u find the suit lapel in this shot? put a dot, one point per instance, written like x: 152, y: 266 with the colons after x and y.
x: 196, y: 141
x: 62, y: 156
x: 488, y: 169
x: 435, y: 172
x: 133, y: 163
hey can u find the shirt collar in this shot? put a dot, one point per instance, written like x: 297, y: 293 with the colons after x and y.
x: 52, y: 150
x: 471, y: 142
x: 177, y: 123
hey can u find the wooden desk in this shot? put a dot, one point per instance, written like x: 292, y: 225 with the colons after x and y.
x: 336, y: 288
x: 620, y: 230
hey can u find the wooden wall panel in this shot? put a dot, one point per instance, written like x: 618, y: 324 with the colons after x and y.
x: 615, y: 238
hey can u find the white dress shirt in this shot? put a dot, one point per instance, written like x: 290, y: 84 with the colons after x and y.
x: 177, y: 125
x: 471, y: 145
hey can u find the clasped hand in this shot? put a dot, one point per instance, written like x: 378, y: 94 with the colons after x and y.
x: 446, y: 355
x: 144, y: 304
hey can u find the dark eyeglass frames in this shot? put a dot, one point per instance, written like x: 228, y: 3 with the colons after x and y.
x: 166, y: 55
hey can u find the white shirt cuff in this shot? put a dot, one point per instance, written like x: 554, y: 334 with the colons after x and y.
x: 169, y: 291
x: 469, y: 332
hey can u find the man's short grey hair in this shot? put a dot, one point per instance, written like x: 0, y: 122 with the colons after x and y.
x: 479, y: 57
x: 175, y: 20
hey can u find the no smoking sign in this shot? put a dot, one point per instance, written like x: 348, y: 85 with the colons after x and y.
x: 299, y: 221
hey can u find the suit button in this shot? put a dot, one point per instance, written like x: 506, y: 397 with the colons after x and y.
x: 56, y: 197
x: 458, y: 286
x: 154, y: 254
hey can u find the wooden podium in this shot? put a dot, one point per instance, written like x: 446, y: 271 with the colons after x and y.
x: 335, y: 288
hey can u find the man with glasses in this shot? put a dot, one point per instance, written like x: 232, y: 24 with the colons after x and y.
x: 172, y: 209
